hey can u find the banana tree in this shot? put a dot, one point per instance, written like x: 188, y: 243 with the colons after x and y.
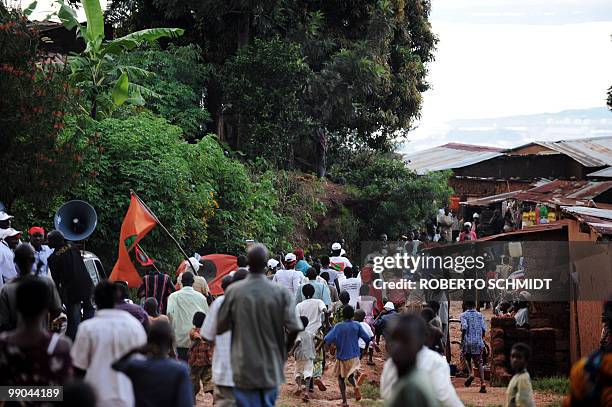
x: 105, y: 82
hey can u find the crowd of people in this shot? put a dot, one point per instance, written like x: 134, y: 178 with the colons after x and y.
x: 178, y: 341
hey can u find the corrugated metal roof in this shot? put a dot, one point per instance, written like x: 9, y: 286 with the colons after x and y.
x: 597, y: 218
x: 558, y: 192
x: 490, y: 200
x: 590, y: 152
x: 605, y: 173
x: 449, y: 156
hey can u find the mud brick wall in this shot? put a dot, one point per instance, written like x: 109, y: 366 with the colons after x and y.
x: 504, y: 334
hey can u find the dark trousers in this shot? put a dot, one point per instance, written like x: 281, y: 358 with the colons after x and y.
x: 74, y: 317
x: 181, y: 353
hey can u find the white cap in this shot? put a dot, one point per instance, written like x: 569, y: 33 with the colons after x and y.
x: 5, y: 216
x: 389, y: 306
x: 290, y: 257
x: 336, y: 246
x: 467, y: 224
x: 272, y: 263
x: 195, y: 263
x: 525, y: 295
x: 10, y: 232
x: 475, y: 215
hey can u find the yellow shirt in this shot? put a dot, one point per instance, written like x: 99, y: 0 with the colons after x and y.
x: 519, y: 392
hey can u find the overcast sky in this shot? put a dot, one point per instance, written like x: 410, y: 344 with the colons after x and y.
x: 499, y: 58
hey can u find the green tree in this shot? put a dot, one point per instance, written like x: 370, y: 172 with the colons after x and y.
x: 389, y: 198
x: 179, y: 79
x: 104, y: 81
x: 35, y: 97
x: 367, y: 62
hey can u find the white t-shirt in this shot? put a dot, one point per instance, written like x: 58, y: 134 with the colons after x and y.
x: 99, y: 342
x: 221, y: 364
x: 368, y: 329
x: 352, y: 286
x: 290, y: 279
x: 41, y: 257
x: 313, y: 309
x: 7, y: 263
x: 338, y: 263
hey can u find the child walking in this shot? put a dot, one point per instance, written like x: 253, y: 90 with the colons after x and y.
x: 473, y: 328
x: 345, y: 335
x: 519, y: 392
x: 200, y: 357
x: 304, y: 353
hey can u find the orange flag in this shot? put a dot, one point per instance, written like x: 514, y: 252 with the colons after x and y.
x: 137, y: 223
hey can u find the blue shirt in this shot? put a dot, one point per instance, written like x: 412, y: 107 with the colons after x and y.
x: 302, y: 266
x: 321, y: 292
x: 473, y: 324
x: 346, y: 336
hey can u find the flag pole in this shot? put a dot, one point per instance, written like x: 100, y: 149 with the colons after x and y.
x: 161, y: 225
x: 145, y: 253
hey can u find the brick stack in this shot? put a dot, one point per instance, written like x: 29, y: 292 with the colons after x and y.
x: 504, y: 334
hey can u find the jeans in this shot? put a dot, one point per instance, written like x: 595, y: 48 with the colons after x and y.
x: 74, y: 318
x: 256, y: 398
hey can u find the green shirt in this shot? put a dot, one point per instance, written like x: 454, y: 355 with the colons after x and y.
x: 258, y: 312
x: 182, y: 305
x: 412, y: 390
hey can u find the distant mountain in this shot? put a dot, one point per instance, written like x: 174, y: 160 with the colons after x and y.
x: 516, y: 130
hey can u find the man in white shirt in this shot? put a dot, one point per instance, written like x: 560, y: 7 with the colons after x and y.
x: 182, y: 305
x: 312, y: 308
x: 222, y: 375
x: 102, y: 340
x: 8, y: 241
x: 351, y: 284
x: 437, y: 370
x: 338, y: 261
x: 41, y: 251
x: 289, y: 278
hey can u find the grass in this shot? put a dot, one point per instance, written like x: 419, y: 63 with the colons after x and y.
x: 369, y: 391
x: 555, y: 384
x: 372, y: 403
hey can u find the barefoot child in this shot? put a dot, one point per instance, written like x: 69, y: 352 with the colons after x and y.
x: 345, y: 335
x: 304, y: 353
x: 200, y: 357
x: 519, y: 392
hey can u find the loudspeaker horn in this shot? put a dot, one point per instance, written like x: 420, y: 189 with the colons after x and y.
x: 76, y: 220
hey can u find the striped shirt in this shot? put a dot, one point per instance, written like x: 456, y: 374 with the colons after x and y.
x: 158, y: 286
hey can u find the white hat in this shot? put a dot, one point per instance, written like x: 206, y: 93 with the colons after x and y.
x: 195, y: 263
x: 475, y: 215
x: 336, y: 246
x: 10, y: 232
x: 467, y: 224
x: 5, y: 216
x: 290, y: 257
x: 272, y: 263
x: 525, y: 296
x: 389, y: 306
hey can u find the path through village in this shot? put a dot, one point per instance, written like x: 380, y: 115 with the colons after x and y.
x: 469, y: 395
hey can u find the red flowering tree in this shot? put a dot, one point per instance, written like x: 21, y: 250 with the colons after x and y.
x: 37, y: 161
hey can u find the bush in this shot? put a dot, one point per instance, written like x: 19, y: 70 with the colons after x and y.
x: 390, y: 198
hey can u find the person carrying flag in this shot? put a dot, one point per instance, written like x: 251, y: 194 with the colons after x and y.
x: 338, y: 261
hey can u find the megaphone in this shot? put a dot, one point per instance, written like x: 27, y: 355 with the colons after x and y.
x: 76, y: 220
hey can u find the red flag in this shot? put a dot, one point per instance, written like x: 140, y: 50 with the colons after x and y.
x: 142, y: 257
x: 223, y: 264
x: 137, y: 223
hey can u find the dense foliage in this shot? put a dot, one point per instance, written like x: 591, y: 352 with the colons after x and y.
x: 352, y: 72
x: 177, y: 78
x: 35, y: 97
x: 390, y: 198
